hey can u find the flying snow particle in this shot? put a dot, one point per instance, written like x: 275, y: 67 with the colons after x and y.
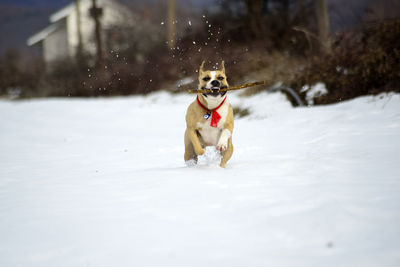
x: 194, y: 42
x: 190, y: 23
x: 162, y: 23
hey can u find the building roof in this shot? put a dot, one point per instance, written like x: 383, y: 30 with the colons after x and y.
x: 54, y: 18
x: 61, y: 14
x: 64, y: 12
x: 40, y: 36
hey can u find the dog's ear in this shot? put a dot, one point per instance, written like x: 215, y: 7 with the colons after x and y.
x: 202, y: 67
x: 223, y: 66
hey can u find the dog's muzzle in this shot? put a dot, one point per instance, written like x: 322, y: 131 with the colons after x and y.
x: 215, y: 91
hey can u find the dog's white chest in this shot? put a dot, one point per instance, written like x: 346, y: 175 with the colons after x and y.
x: 210, y: 134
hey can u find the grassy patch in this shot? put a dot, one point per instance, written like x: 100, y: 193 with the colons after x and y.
x: 240, y: 112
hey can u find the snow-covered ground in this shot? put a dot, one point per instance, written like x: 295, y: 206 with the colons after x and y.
x: 101, y: 182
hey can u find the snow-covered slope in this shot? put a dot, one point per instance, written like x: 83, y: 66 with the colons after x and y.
x: 101, y: 182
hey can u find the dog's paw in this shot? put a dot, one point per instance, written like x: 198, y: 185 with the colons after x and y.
x: 222, y: 146
x: 200, y: 151
x: 191, y: 163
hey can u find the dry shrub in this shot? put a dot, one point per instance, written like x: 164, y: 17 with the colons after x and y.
x: 361, y: 63
x: 117, y: 76
x: 244, y: 63
x: 20, y: 72
x: 277, y: 68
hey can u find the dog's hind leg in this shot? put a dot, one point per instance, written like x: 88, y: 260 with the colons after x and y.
x: 227, y: 154
x: 190, y: 154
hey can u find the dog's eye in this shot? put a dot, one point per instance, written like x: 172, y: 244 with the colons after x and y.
x: 206, y: 79
x: 220, y: 78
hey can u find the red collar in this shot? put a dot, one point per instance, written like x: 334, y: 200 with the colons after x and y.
x: 215, y: 117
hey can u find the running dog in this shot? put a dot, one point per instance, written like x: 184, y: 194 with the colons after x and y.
x: 209, y: 119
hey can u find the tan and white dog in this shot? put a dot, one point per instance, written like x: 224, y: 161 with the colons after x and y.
x: 209, y: 119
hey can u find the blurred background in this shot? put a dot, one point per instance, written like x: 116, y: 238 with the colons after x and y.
x: 85, y: 48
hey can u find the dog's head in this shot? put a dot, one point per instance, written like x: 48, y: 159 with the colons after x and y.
x: 214, y: 80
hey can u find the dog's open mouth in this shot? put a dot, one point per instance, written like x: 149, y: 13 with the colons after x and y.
x: 216, y: 91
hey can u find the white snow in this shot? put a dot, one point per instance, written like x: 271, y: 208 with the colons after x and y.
x: 315, y: 91
x: 102, y: 182
x: 184, y: 81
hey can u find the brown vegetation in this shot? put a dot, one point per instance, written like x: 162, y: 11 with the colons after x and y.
x: 362, y: 62
x: 277, y: 42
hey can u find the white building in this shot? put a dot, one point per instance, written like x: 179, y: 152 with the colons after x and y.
x: 60, y: 39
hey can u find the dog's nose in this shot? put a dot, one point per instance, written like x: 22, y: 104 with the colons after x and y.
x: 215, y: 83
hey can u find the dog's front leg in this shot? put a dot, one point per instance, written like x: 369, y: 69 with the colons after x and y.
x: 227, y: 154
x: 196, y: 142
x: 222, y: 144
x: 225, y: 146
x: 225, y: 140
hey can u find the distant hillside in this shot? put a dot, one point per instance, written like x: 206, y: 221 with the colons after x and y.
x: 36, y: 3
x: 19, y: 19
x: 58, y: 3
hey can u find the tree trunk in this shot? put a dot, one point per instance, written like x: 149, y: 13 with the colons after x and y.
x: 78, y: 27
x: 96, y: 13
x: 265, y: 8
x: 302, y: 11
x: 323, y: 25
x: 286, y: 15
x: 255, y: 9
x: 171, y: 34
